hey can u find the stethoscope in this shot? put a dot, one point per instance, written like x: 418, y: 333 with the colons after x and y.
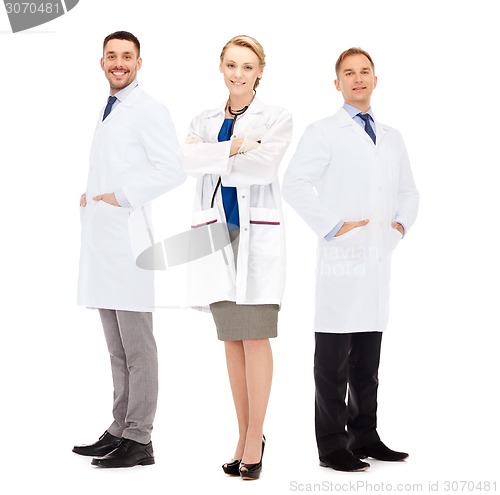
x: 235, y: 114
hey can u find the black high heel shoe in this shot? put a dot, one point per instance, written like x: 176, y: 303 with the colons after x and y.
x: 252, y: 471
x: 232, y: 468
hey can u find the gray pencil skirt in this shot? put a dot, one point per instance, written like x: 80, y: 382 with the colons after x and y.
x: 244, y: 321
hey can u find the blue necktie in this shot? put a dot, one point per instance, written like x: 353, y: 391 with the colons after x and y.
x: 107, y: 110
x: 368, y: 127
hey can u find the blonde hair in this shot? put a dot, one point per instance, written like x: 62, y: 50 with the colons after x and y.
x: 252, y: 44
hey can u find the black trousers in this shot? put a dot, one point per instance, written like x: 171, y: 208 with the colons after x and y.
x: 341, y: 360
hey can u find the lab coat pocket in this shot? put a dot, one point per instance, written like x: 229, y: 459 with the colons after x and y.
x: 201, y: 218
x: 351, y: 233
x: 112, y: 219
x: 208, y: 234
x: 265, y: 231
x: 350, y: 245
x: 394, y: 237
x: 210, y: 271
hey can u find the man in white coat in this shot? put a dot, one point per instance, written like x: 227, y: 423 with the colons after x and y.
x: 132, y: 161
x: 350, y: 180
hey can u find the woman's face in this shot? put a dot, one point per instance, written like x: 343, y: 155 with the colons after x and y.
x: 241, y: 68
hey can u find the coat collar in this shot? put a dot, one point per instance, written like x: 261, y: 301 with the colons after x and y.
x: 128, y: 102
x: 255, y: 107
x: 344, y: 120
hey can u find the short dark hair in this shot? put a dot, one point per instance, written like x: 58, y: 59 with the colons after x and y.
x: 352, y: 51
x: 122, y: 35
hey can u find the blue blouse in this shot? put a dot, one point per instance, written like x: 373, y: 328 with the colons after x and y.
x: 229, y: 194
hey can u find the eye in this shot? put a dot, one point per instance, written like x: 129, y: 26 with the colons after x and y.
x: 230, y: 66
x: 248, y: 67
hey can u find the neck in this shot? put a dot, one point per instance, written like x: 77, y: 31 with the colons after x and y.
x: 362, y: 106
x: 240, y: 101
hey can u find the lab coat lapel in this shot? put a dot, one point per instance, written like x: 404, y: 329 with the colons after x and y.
x: 346, y: 120
x: 123, y: 106
x: 380, y: 130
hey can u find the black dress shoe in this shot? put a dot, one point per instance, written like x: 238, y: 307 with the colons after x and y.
x: 128, y: 454
x: 252, y: 471
x: 232, y: 468
x: 103, y: 446
x: 380, y: 451
x: 343, y: 460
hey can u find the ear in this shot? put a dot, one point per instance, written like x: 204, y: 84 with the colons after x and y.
x: 102, y: 63
x: 337, y: 84
x: 139, y: 63
x: 374, y: 82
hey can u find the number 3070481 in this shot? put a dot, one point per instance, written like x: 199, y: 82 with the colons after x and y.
x: 32, y: 8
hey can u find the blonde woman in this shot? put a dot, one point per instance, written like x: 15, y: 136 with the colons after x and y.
x: 234, y: 151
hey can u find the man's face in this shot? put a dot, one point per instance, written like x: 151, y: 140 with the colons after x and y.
x: 120, y: 63
x: 356, y: 81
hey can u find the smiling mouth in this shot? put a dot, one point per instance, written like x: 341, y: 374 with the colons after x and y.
x: 118, y: 73
x: 238, y: 83
x: 360, y: 88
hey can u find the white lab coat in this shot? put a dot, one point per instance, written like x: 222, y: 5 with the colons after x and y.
x: 260, y: 273
x: 338, y: 174
x: 135, y: 150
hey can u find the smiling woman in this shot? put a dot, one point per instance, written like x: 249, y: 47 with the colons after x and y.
x: 238, y: 72
x: 235, y: 151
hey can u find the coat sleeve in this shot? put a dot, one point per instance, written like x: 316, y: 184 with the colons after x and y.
x: 198, y: 157
x: 305, y: 171
x: 408, y: 196
x: 162, y: 172
x: 256, y: 167
x: 260, y: 166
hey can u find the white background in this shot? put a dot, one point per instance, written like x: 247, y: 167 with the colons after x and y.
x: 438, y: 70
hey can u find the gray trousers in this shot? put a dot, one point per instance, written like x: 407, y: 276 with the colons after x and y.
x: 134, y: 365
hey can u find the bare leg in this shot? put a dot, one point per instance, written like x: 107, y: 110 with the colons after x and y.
x: 259, y: 372
x: 235, y: 360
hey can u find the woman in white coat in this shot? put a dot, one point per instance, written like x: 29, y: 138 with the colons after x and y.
x: 234, y: 151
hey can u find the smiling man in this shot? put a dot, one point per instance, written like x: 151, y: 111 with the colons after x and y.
x: 350, y: 180
x: 133, y: 160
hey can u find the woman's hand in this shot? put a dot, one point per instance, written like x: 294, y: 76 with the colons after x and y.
x: 235, y: 146
x: 248, y: 145
x: 194, y: 139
